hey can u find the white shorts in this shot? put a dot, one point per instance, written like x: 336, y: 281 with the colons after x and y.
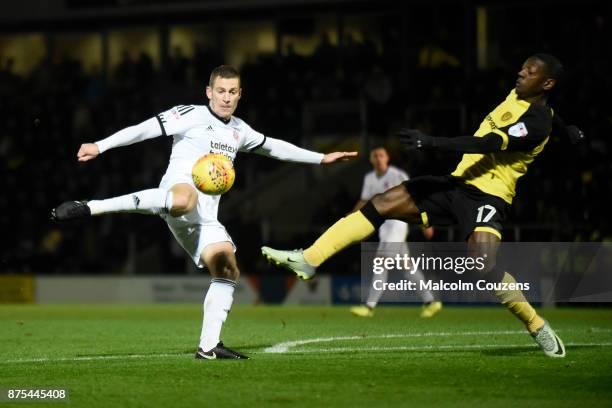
x: 393, y: 231
x: 390, y: 233
x: 199, y: 228
x: 194, y: 237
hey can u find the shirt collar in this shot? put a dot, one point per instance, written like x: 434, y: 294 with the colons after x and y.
x: 225, y: 121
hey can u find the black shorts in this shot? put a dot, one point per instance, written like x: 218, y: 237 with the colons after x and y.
x: 446, y: 200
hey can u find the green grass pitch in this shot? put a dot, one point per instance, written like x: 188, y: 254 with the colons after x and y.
x: 142, y: 356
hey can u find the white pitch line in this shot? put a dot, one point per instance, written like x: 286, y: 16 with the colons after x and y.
x: 455, y: 347
x: 90, y: 358
x: 285, y: 346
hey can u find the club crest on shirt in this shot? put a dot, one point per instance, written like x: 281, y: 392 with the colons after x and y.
x: 236, y: 134
x: 518, y: 130
x: 506, y: 116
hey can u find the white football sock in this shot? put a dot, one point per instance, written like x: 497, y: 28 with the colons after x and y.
x: 153, y: 201
x: 374, y: 295
x: 217, y: 304
x: 417, y: 277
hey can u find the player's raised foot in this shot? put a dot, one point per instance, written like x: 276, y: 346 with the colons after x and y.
x: 430, y: 309
x: 362, y: 311
x: 70, y: 210
x: 548, y: 341
x: 219, y: 352
x: 292, y: 260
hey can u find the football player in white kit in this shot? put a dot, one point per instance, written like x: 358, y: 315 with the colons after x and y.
x: 380, y: 179
x: 190, y: 214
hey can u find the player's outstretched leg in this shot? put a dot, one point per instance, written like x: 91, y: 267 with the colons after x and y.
x: 292, y: 260
x: 348, y: 230
x: 221, y: 262
x: 152, y: 201
x: 179, y: 200
x: 70, y: 210
x: 394, y: 203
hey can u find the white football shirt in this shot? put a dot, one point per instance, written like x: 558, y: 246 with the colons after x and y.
x: 197, y: 131
x: 372, y: 184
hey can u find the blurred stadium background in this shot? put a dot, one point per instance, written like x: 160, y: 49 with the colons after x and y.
x: 321, y: 74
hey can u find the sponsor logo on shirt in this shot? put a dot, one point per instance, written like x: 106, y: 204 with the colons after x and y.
x: 222, y: 147
x: 491, y: 122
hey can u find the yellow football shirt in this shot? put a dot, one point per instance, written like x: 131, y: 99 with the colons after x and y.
x: 524, y: 129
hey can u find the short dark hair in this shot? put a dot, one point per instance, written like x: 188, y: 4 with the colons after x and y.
x: 378, y: 147
x: 554, y: 67
x: 223, y: 71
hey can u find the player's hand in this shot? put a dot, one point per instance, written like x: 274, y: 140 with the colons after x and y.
x: 414, y: 139
x: 87, y: 152
x: 428, y: 233
x: 575, y: 134
x: 338, y: 156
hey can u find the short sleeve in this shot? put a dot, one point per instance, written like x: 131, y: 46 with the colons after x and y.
x: 176, y: 120
x: 531, y: 129
x: 251, y: 140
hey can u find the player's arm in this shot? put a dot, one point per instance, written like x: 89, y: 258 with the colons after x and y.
x: 282, y: 150
x: 414, y: 139
x: 148, y: 129
x: 531, y: 129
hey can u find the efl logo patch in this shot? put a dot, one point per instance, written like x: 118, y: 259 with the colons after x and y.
x: 518, y: 130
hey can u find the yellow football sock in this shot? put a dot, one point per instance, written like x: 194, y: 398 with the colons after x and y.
x: 519, y: 306
x: 353, y: 228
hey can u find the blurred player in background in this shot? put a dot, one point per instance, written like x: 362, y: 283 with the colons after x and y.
x: 380, y: 179
x: 476, y: 196
x: 190, y: 214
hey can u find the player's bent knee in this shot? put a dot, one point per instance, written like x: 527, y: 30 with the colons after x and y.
x: 224, y: 267
x: 184, y: 199
x: 230, y: 272
x: 181, y: 204
x: 221, y: 261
